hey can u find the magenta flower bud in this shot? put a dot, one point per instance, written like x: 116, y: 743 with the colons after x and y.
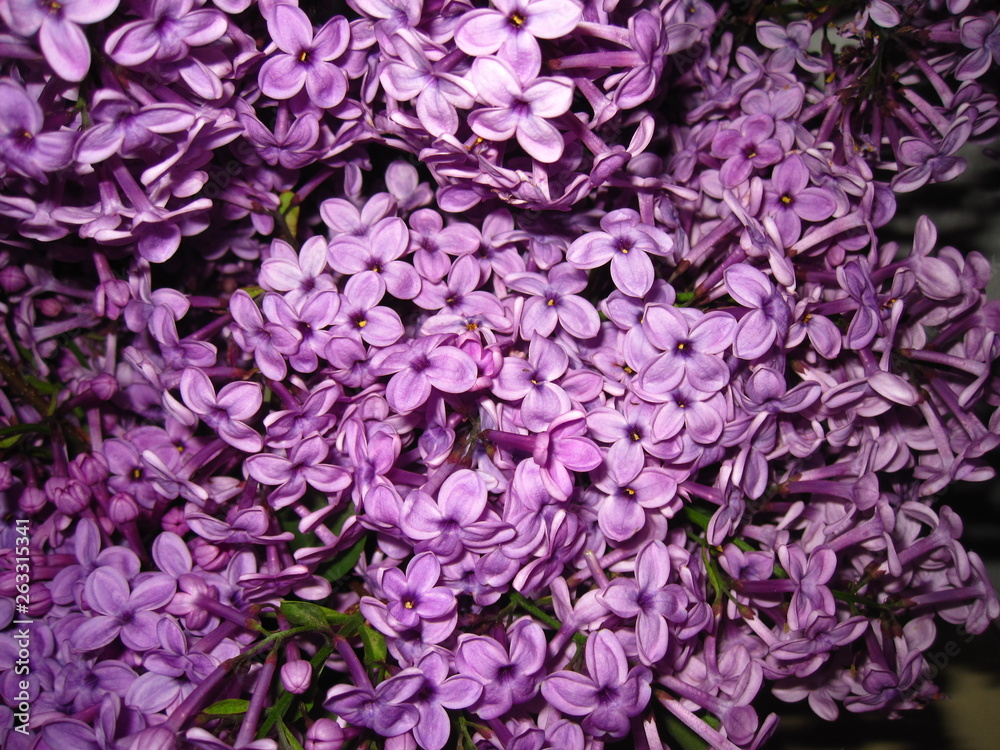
x: 173, y: 520
x: 32, y: 500
x: 324, y: 734
x: 12, y: 279
x: 50, y: 307
x: 296, y: 676
x: 89, y: 468
x: 208, y: 556
x: 123, y: 508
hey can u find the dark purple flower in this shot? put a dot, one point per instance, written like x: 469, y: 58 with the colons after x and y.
x: 23, y: 147
x: 386, y: 709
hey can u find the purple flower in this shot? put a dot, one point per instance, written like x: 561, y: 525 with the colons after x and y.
x: 310, y: 320
x: 227, y: 412
x: 421, y: 365
x: 746, y: 147
x: 520, y: 109
x: 437, y: 91
x: 123, y: 127
x: 512, y: 31
x: 790, y: 200
x: 304, y: 466
x: 510, y: 675
x: 415, y: 602
x: 922, y: 161
x: 457, y: 520
x: 650, y: 599
x: 169, y: 29
x: 609, y: 695
x: 305, y: 58
x: 296, y: 274
x: 63, y: 42
x: 440, y: 692
x: 627, y: 493
x: 562, y: 449
x: 554, y: 301
x: 627, y: 243
x: 361, y: 317
x: 23, y: 147
x: 122, y: 611
x: 767, y: 322
x: 385, y: 709
x: 691, y: 343
x: 532, y: 381
x: 378, y: 251
x: 270, y: 342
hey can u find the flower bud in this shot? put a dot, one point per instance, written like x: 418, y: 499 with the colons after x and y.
x: 173, y: 520
x: 32, y: 500
x: 13, y: 279
x: 69, y: 495
x: 325, y: 734
x: 296, y: 676
x: 207, y: 556
x: 123, y: 508
x: 50, y: 307
x: 89, y: 468
x: 6, y: 477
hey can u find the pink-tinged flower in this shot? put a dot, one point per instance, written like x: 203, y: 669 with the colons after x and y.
x: 303, y: 466
x: 227, y: 412
x: 609, y: 695
x: 305, y: 58
x: 63, y: 42
x: 627, y: 243
x: 512, y: 28
x: 519, y: 109
x: 420, y: 365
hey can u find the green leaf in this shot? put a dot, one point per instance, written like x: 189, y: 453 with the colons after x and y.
x: 684, y: 736
x: 228, y: 707
x: 42, y: 386
x: 286, y: 738
x: 374, y: 643
x: 346, y: 562
x: 306, y: 614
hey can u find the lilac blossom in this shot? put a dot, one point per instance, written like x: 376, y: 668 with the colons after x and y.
x: 227, y: 411
x: 305, y: 57
x: 510, y: 674
x: 627, y: 243
x: 303, y: 466
x: 25, y: 149
x: 521, y: 109
x: 418, y: 367
x: 609, y: 695
x: 122, y: 610
x: 63, y: 42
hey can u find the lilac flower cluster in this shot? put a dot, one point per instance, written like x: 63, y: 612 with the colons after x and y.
x: 518, y: 375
